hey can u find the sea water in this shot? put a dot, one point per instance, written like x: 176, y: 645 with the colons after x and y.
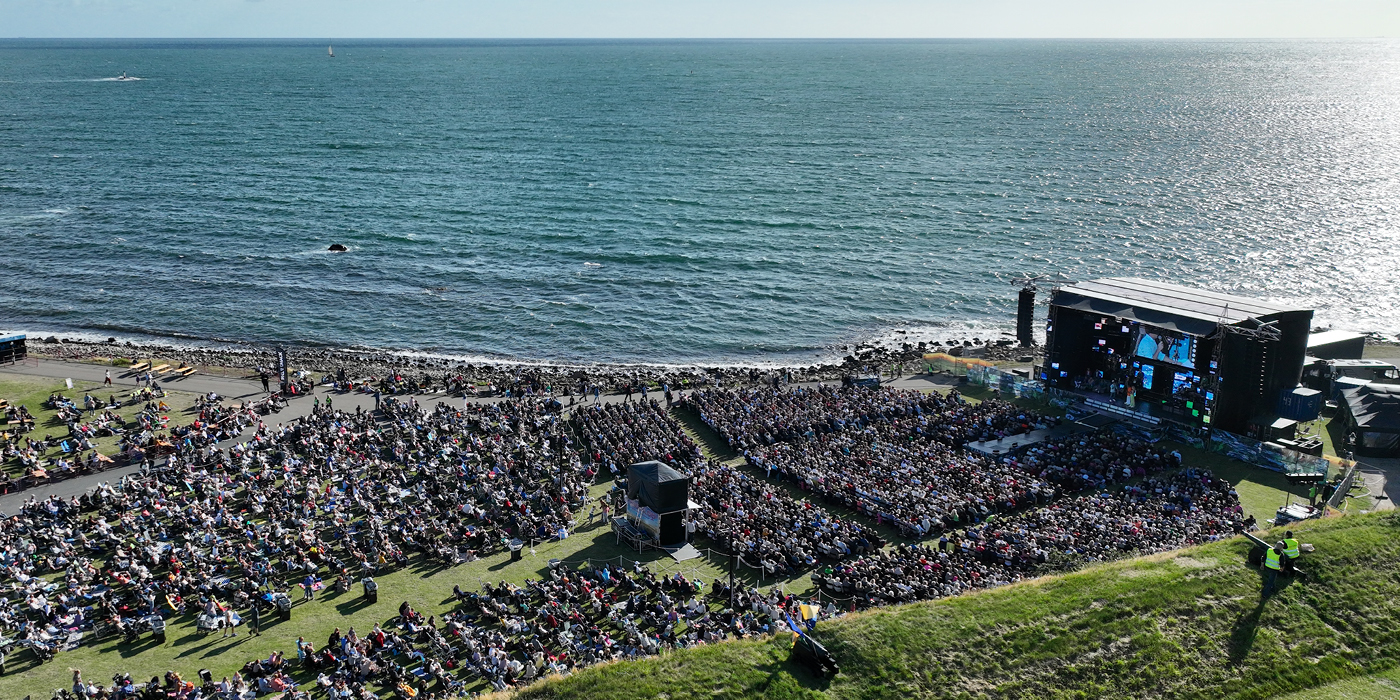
x: 680, y: 201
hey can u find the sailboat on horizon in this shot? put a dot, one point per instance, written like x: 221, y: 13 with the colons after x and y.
x: 331, y: 50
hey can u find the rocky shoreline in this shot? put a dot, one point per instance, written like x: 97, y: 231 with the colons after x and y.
x: 363, y: 364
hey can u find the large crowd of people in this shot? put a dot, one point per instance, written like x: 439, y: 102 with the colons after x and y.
x: 919, y: 488
x: 338, y: 495
x: 142, y: 438
x: 752, y: 418
x: 1093, y: 461
x: 341, y: 497
x: 768, y: 528
x: 1189, y: 507
x: 894, y: 456
x: 616, y: 435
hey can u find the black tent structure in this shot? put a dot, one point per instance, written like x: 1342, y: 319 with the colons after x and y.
x: 1370, y: 415
x: 657, y: 498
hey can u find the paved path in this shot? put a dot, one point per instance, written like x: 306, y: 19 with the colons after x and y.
x: 1381, y: 475
x: 228, y: 387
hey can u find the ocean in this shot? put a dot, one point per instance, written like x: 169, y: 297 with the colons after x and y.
x: 679, y: 201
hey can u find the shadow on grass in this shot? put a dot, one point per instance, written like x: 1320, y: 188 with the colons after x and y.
x: 429, y: 567
x: 1246, y: 628
x: 353, y: 605
x: 222, y: 645
x: 233, y: 642
x: 141, y: 645
x: 271, y: 620
x: 191, y: 638
x: 330, y: 593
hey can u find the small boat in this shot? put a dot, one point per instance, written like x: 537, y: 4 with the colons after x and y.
x: 331, y: 50
x: 124, y: 77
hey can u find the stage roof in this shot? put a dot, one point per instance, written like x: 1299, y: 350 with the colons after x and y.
x: 1184, y: 309
x: 1329, y: 337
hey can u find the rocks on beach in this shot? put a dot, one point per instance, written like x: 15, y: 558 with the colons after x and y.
x: 364, y: 364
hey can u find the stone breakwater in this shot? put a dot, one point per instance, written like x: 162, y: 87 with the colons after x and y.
x: 365, y: 364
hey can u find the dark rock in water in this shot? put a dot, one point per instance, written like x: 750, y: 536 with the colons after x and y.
x: 51, y: 339
x: 111, y: 340
x: 337, y: 248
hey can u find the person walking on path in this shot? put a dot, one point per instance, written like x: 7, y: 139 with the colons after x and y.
x: 107, y: 378
x: 266, y: 388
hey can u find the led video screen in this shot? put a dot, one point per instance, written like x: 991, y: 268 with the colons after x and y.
x: 1164, y: 347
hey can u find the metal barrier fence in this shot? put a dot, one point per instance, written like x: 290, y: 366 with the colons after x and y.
x: 1344, y: 488
x: 956, y: 366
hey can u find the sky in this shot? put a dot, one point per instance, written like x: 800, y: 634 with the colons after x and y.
x: 697, y: 18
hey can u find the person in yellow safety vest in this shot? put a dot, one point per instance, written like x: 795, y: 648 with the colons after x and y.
x: 1273, y: 563
x: 1290, y: 550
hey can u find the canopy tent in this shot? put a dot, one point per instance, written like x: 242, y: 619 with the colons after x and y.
x: 1371, y: 412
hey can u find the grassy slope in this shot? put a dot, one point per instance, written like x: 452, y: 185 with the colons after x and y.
x: 1185, y: 624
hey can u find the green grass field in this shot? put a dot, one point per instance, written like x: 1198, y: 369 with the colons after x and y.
x: 1186, y: 624
x: 32, y: 392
